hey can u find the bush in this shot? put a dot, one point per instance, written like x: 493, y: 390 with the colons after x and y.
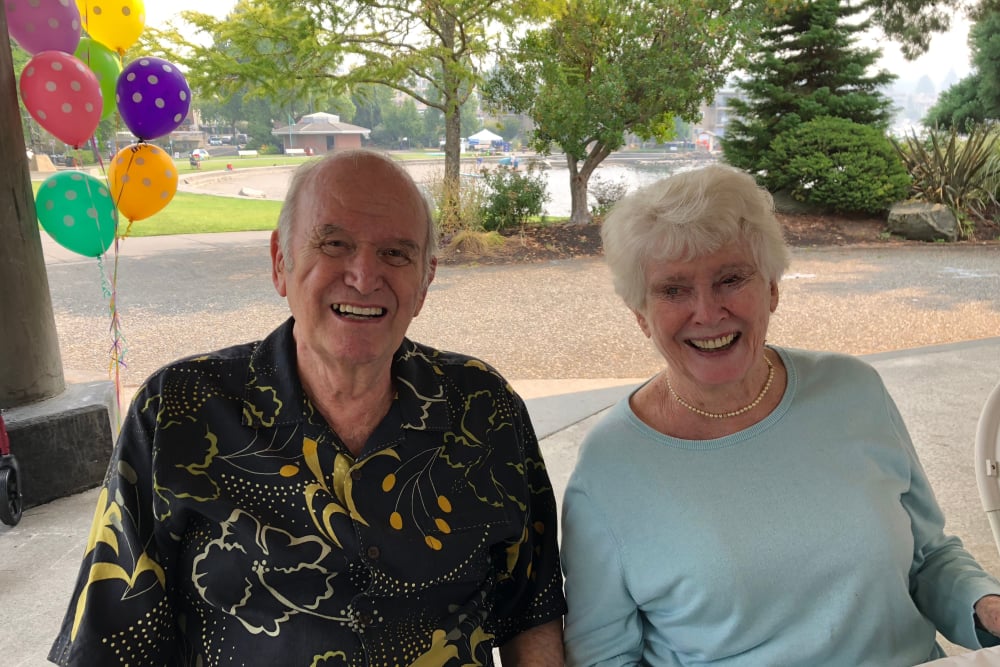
x: 606, y: 193
x: 837, y: 165
x: 962, y: 174
x: 511, y: 198
x: 471, y: 196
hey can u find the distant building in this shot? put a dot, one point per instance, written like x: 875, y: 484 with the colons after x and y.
x: 319, y: 133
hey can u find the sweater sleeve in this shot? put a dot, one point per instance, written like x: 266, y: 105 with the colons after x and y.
x: 603, y: 625
x: 945, y: 580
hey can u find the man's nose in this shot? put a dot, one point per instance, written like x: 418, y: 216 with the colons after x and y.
x: 363, y: 270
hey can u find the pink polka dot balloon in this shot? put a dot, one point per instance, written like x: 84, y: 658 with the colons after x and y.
x: 63, y: 95
x: 153, y: 97
x: 44, y: 25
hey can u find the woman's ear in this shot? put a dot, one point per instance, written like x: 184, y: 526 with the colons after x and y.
x: 643, y: 323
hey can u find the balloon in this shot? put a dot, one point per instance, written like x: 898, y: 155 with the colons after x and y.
x: 44, y: 25
x: 77, y: 211
x: 62, y: 95
x: 153, y: 97
x: 116, y: 24
x: 103, y: 62
x: 143, y: 180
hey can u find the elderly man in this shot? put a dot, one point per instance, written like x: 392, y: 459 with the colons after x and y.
x: 335, y: 494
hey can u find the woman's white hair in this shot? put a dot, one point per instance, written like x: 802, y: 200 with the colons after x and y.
x: 689, y: 215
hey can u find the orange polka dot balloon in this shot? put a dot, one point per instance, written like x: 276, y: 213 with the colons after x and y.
x: 143, y: 180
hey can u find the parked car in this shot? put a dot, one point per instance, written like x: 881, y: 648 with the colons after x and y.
x: 215, y: 141
x: 199, y: 154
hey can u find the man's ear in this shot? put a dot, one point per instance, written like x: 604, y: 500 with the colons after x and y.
x: 277, y: 264
x: 431, y: 271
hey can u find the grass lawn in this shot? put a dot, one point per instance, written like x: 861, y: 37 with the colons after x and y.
x: 189, y: 213
x: 202, y: 214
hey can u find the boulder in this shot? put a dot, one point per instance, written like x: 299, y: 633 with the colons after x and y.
x: 251, y: 192
x: 921, y: 221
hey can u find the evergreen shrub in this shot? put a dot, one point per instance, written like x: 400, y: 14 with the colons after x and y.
x: 511, y: 198
x: 837, y: 165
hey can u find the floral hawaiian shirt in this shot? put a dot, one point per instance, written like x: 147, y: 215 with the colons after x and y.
x: 234, y: 528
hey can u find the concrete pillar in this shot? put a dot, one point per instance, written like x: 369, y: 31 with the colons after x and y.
x: 61, y: 437
x: 30, y: 365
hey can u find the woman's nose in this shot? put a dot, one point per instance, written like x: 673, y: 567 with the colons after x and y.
x: 708, y: 306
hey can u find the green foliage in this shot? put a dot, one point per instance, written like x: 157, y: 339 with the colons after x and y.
x: 808, y: 66
x: 976, y: 98
x: 962, y: 174
x: 511, y: 198
x: 605, y: 68
x: 837, y: 165
x: 958, y: 107
x: 467, y: 213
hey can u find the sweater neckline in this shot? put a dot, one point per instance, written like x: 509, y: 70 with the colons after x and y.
x: 732, y: 439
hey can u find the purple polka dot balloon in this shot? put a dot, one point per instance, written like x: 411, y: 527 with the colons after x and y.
x: 44, y: 25
x: 153, y: 97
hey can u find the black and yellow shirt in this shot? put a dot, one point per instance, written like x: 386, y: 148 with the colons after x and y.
x: 235, y: 529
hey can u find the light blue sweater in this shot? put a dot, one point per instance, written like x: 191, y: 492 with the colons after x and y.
x: 811, y: 538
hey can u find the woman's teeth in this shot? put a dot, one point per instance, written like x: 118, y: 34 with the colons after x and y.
x: 713, y: 343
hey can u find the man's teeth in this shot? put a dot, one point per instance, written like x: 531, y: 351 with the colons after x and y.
x: 345, y: 309
x: 713, y: 343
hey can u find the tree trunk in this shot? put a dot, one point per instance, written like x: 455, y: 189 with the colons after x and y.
x: 578, y: 182
x: 450, y: 210
x: 30, y: 365
x: 579, y: 209
x: 450, y: 218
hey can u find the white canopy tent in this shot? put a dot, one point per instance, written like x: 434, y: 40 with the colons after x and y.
x: 484, y: 136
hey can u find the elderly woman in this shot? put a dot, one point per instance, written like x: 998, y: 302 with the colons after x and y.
x: 750, y: 505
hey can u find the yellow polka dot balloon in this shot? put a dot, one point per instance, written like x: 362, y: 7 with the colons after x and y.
x: 116, y: 24
x: 143, y: 180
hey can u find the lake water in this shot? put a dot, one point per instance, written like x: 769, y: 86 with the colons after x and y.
x: 634, y: 176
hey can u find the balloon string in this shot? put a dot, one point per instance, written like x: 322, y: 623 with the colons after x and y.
x: 109, y: 288
x: 118, y: 348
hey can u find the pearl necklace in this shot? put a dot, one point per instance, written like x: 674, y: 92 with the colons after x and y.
x: 723, y: 415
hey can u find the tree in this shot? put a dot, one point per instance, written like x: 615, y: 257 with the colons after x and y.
x: 976, y: 98
x: 808, y: 66
x: 429, y: 50
x: 605, y: 68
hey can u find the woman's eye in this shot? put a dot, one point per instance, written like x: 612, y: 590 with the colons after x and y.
x: 734, y: 280
x: 672, y: 292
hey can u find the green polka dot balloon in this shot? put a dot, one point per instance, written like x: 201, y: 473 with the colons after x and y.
x: 77, y: 211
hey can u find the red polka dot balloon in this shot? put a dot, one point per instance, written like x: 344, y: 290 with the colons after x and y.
x: 63, y: 95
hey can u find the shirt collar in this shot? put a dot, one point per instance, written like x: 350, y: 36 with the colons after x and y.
x: 274, y: 396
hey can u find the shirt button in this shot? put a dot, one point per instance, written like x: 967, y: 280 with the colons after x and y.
x: 374, y: 552
x: 356, y: 474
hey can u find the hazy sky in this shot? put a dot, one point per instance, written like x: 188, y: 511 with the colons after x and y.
x: 948, y: 51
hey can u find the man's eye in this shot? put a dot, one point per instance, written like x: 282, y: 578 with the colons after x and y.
x: 333, y: 247
x: 396, y: 257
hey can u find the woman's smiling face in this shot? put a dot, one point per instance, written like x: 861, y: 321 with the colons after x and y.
x: 708, y: 317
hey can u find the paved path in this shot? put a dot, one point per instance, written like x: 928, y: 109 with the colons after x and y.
x: 556, y: 330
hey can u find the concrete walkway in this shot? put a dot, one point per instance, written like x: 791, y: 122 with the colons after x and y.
x: 926, y: 318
